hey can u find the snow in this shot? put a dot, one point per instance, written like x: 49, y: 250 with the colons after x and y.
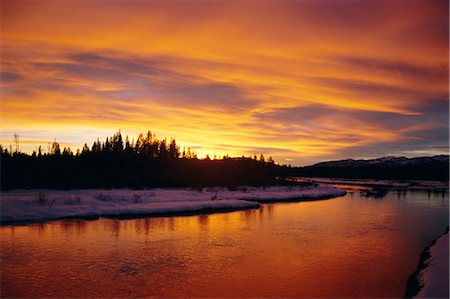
x: 284, y: 194
x: 411, y: 184
x: 35, y: 205
x: 435, y: 277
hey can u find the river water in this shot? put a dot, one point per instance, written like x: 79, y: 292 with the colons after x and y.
x: 351, y: 246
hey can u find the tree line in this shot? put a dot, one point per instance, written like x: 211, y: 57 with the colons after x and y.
x: 119, y: 162
x: 146, y: 146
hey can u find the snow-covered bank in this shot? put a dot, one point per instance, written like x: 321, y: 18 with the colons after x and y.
x: 410, y: 184
x: 435, y: 277
x: 35, y: 205
x: 288, y: 194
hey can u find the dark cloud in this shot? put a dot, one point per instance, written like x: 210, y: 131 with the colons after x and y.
x: 7, y: 77
x: 409, y: 148
x: 150, y: 79
x: 209, y: 94
x: 429, y: 130
x: 399, y: 68
x: 257, y: 149
x: 134, y: 65
x: 361, y: 87
x: 434, y: 106
x: 85, y: 71
x: 435, y: 110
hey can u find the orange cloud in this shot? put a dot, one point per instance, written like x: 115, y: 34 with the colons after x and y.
x: 229, y: 77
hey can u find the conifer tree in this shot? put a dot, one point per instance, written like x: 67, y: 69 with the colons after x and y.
x: 85, y: 149
x: 55, y: 150
x: 174, y: 149
x: 163, y: 151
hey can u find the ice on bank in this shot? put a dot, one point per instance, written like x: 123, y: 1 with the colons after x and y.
x: 435, y: 277
x: 410, y: 184
x: 35, y: 205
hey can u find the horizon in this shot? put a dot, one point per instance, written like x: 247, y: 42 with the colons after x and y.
x: 255, y: 156
x: 132, y: 139
x: 304, y: 82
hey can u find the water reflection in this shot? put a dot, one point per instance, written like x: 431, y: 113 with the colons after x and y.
x: 375, y: 193
x: 203, y: 221
x: 351, y: 246
x: 39, y: 228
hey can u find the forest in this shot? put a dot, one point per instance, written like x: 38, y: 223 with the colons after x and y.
x: 120, y: 163
x: 150, y: 162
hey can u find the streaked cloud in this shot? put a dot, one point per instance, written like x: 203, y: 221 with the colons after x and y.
x: 302, y: 81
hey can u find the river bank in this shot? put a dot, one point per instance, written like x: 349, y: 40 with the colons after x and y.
x: 19, y: 206
x: 431, y: 278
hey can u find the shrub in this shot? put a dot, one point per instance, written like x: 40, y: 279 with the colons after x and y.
x: 214, y: 197
x: 41, y: 198
x: 103, y: 197
x: 73, y: 201
x: 136, y: 198
x: 243, y: 189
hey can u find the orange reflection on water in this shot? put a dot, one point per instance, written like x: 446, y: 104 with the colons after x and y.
x: 345, y: 247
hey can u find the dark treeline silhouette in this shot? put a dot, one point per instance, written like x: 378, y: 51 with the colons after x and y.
x: 149, y: 162
x: 118, y: 163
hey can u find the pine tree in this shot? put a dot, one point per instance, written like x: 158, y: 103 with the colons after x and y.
x: 85, y: 149
x: 174, y: 149
x: 139, y: 146
x: 117, y: 143
x: 55, y: 150
x: 128, y: 146
x: 163, y: 151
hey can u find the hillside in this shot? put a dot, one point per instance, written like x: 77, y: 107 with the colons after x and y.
x: 420, y: 168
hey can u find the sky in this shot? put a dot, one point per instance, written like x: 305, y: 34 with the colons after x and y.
x: 301, y: 81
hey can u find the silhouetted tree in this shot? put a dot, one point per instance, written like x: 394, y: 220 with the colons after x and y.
x: 128, y: 146
x: 85, y: 150
x: 163, y: 151
x: 147, y: 145
x: 96, y: 147
x: 107, y: 146
x: 55, y: 150
x: 117, y: 143
x: 67, y: 152
x: 174, y: 149
x: 139, y: 146
x: 147, y: 163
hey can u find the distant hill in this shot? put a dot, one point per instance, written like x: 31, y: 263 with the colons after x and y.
x: 420, y: 168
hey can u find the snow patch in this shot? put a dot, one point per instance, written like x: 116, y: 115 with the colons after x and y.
x: 410, y: 184
x: 435, y: 277
x: 35, y: 205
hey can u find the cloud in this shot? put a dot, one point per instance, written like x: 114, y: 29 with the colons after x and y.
x: 399, y: 68
x: 345, y: 131
x: 302, y: 80
x: 7, y: 77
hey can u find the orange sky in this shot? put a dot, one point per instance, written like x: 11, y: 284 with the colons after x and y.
x: 303, y: 81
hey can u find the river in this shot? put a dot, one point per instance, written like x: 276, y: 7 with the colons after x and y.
x: 351, y: 246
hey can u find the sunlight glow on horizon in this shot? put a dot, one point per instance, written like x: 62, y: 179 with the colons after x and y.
x: 301, y: 81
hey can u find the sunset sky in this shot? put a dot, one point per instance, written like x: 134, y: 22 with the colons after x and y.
x: 302, y: 81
